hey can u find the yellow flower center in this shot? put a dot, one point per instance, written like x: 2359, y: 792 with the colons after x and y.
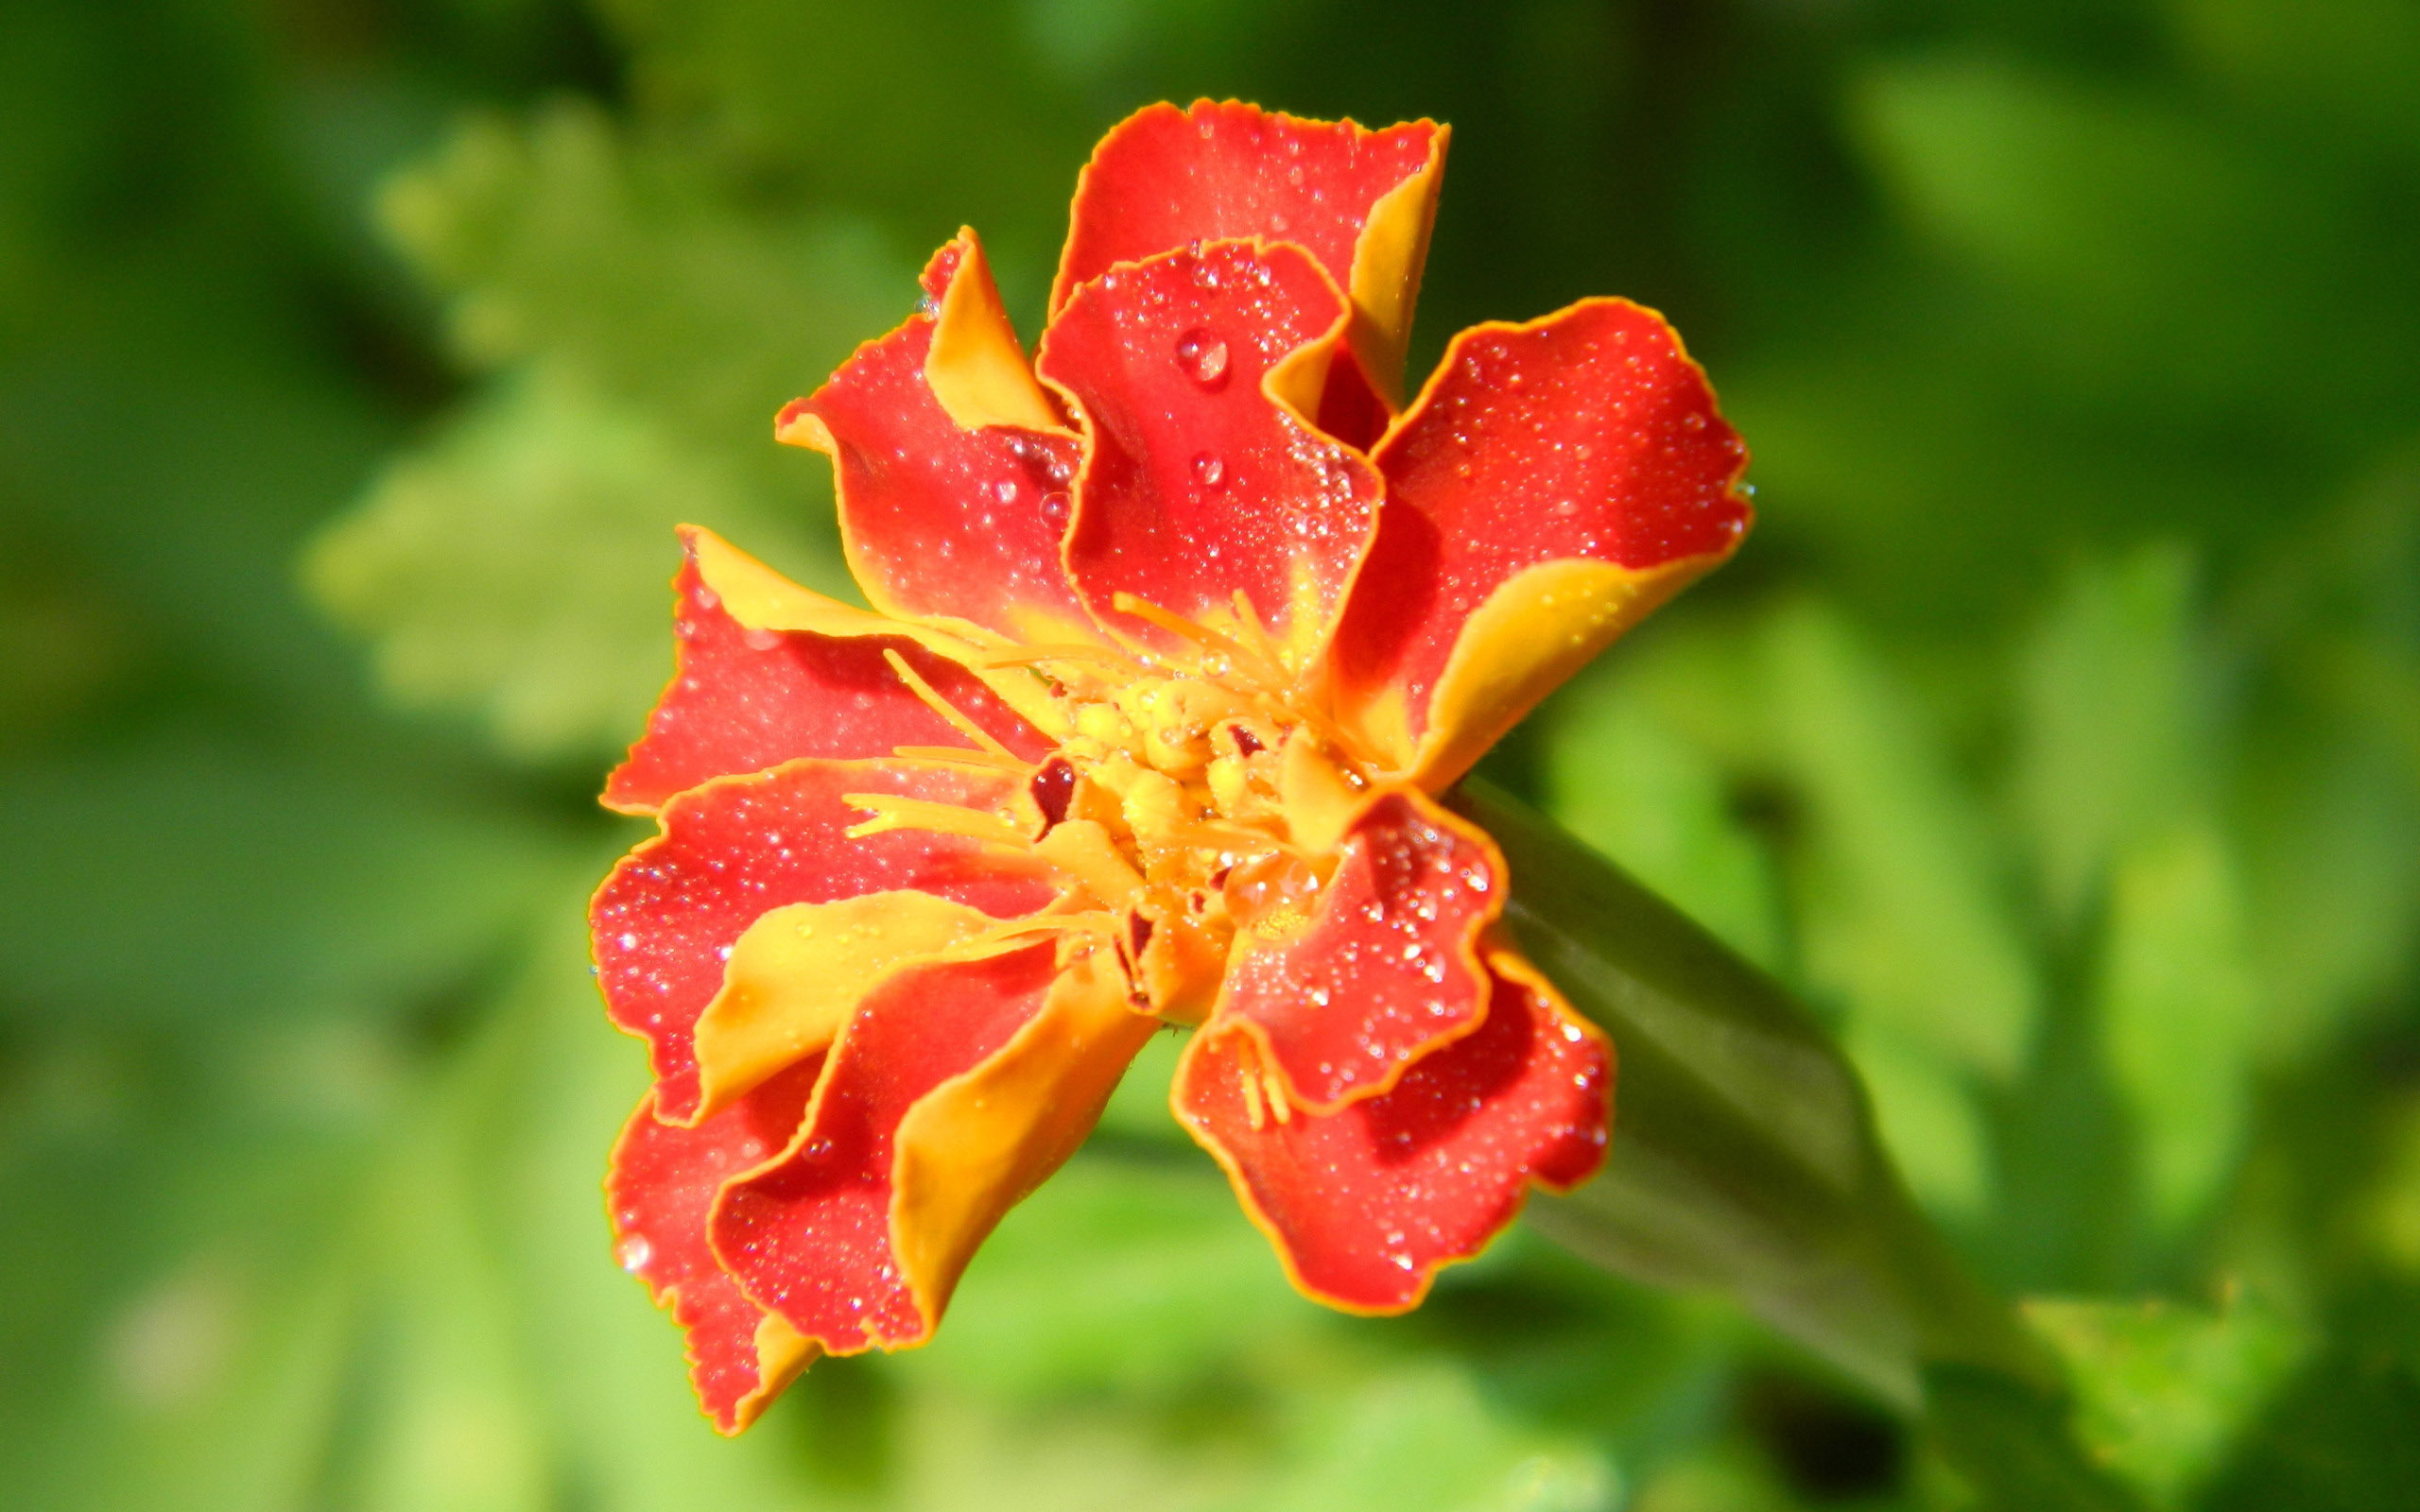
x: 1191, y: 797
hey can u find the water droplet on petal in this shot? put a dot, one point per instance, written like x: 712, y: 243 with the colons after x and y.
x: 1208, y: 471
x: 634, y: 1252
x: 1202, y: 353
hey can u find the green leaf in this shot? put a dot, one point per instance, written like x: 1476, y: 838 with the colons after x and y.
x: 1425, y: 1438
x: 2180, y: 1014
x: 2116, y: 736
x: 2013, y: 1449
x: 1073, y: 1293
x: 1899, y: 905
x: 1927, y: 1115
x: 2163, y: 1391
x: 1743, y: 1158
x: 203, y: 884
x: 648, y: 325
x: 519, y: 566
x: 1621, y: 778
x: 1899, y: 910
x: 634, y: 263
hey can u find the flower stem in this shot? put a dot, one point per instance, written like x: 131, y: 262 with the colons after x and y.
x: 1744, y: 1155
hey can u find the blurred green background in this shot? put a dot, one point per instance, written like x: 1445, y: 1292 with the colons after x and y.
x: 2057, y: 734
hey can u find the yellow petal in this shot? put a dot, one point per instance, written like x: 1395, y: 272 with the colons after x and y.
x: 1538, y: 628
x: 974, y: 367
x: 798, y: 971
x: 974, y: 1148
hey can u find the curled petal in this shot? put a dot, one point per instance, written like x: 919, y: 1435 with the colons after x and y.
x: 1359, y: 201
x: 744, y: 699
x: 951, y: 518
x: 1388, y: 968
x: 673, y: 911
x: 956, y: 1088
x: 1193, y: 371
x: 1365, y: 1204
x: 659, y: 1190
x: 1552, y: 483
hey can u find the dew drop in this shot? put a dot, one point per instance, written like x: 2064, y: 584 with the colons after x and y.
x: 1202, y: 353
x: 634, y: 1252
x: 1208, y: 471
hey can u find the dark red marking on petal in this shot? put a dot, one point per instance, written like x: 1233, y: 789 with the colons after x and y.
x: 1164, y: 178
x: 1365, y: 1204
x: 1199, y: 484
x: 810, y: 1238
x: 939, y: 520
x: 659, y: 1190
x: 1389, y: 967
x: 743, y: 700
x: 1589, y: 433
x: 1053, y: 788
x: 666, y: 918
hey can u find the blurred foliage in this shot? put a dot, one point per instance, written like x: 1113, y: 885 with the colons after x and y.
x: 2058, y: 733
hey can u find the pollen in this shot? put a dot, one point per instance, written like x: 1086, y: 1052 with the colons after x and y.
x: 1194, y: 794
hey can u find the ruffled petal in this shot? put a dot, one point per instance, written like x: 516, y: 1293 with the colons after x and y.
x: 672, y: 912
x: 1193, y: 373
x: 1365, y: 1204
x: 1359, y: 201
x: 1388, y: 968
x: 1553, y: 483
x: 744, y: 699
x: 956, y: 1088
x: 950, y: 520
x: 659, y: 1190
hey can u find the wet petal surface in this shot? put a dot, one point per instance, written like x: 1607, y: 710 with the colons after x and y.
x: 743, y: 699
x: 660, y: 1189
x: 1199, y: 484
x: 1587, y: 437
x: 668, y: 918
x: 1365, y: 1204
x: 943, y: 522
x: 1389, y: 965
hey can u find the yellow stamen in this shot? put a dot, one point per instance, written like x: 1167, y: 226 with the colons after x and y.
x: 1209, y: 834
x: 1178, y: 626
x: 1275, y: 1086
x: 1004, y: 937
x: 1264, y: 646
x: 1028, y: 656
x: 1252, y: 1097
x: 943, y: 707
x: 892, y: 812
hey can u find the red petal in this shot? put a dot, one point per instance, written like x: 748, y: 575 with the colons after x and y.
x: 1164, y: 179
x: 1365, y: 1204
x: 811, y: 1237
x: 1197, y: 483
x: 941, y: 522
x: 1389, y: 968
x: 732, y: 850
x: 659, y: 1190
x: 1586, y: 436
x: 744, y: 699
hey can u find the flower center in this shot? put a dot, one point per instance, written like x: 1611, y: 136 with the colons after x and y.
x: 1192, y: 795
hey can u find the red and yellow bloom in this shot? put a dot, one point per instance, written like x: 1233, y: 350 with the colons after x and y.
x: 1177, y: 630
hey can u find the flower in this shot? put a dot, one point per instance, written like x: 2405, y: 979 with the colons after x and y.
x: 1178, y: 631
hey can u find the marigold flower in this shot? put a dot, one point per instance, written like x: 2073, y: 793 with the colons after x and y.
x: 1177, y: 632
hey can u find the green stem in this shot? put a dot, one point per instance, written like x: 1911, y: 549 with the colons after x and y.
x: 1744, y: 1155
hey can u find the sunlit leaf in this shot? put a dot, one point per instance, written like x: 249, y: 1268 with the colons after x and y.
x: 1623, y: 780
x: 2162, y: 1391
x: 2179, y: 1008
x: 1900, y: 904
